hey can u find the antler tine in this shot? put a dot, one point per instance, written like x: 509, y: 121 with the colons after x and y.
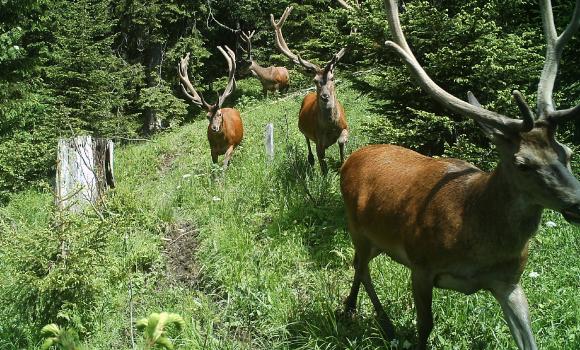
x: 451, y: 102
x: 344, y: 4
x: 525, y: 110
x: 330, y: 65
x: 186, y: 85
x: 231, y: 86
x: 283, y: 47
x: 554, y: 47
x: 247, y: 38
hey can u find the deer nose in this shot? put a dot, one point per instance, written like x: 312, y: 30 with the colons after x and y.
x: 572, y: 214
x: 324, y: 96
x: 215, y: 128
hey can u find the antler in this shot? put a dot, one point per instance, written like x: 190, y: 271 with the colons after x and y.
x: 283, y: 47
x: 186, y: 86
x: 247, y: 38
x: 555, y: 45
x: 345, y: 4
x: 330, y: 65
x: 473, y: 111
x: 231, y: 86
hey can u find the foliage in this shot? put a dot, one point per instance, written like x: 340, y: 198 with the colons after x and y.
x: 262, y: 251
x: 270, y: 261
x: 66, y: 339
x: 155, y: 327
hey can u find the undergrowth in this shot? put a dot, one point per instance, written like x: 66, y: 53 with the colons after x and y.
x: 257, y: 257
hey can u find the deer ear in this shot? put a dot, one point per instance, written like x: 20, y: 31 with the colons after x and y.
x: 491, y: 132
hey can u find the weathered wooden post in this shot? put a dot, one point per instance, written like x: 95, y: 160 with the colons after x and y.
x: 269, y: 141
x: 84, y: 171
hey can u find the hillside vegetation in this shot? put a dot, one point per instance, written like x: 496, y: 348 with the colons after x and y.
x: 257, y: 257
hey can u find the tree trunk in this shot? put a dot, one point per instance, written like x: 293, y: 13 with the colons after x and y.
x: 153, y: 60
x: 84, y: 171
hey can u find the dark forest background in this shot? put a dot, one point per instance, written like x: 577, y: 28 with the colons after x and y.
x: 107, y: 67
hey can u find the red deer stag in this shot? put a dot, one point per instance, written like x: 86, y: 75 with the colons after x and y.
x: 453, y: 225
x: 322, y: 118
x: 225, y: 130
x: 272, y: 78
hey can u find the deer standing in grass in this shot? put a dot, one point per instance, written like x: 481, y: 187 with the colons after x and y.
x: 272, y: 78
x: 225, y: 130
x: 453, y: 225
x: 321, y: 118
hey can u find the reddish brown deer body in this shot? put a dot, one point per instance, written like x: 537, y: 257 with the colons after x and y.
x: 453, y: 225
x: 272, y: 78
x: 225, y: 130
x: 322, y: 118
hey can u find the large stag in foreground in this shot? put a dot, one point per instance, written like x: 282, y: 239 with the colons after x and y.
x: 453, y: 225
x: 272, y: 78
x: 225, y: 130
x: 322, y: 118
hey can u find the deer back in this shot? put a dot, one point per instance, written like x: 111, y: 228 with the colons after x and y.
x: 430, y: 213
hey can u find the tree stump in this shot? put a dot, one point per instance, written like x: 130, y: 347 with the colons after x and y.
x: 84, y: 171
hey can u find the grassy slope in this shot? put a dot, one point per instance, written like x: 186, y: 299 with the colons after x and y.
x: 271, y: 260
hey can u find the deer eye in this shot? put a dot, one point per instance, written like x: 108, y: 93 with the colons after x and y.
x: 524, y: 167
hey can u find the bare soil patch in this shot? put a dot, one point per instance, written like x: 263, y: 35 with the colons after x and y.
x: 166, y: 161
x: 180, y: 247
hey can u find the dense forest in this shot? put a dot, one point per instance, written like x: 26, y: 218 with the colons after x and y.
x: 108, y: 68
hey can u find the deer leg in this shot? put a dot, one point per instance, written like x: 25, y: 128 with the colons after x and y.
x: 320, y: 154
x: 342, y: 139
x: 384, y: 321
x: 423, y: 297
x: 214, y: 156
x: 363, y: 255
x: 310, y: 155
x: 514, y: 304
x: 350, y: 301
x: 228, y: 156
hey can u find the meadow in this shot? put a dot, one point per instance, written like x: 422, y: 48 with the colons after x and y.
x: 257, y: 257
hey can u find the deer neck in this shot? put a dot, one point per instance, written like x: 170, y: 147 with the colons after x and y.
x: 329, y: 113
x: 507, y: 210
x: 259, y: 71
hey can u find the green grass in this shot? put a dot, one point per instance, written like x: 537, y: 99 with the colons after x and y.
x: 261, y: 253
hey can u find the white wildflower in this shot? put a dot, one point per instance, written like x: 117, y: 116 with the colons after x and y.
x: 216, y: 199
x: 533, y: 274
x: 185, y: 176
x: 551, y: 224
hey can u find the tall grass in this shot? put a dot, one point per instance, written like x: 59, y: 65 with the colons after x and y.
x: 271, y: 259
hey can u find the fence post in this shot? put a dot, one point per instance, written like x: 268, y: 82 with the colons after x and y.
x: 269, y: 141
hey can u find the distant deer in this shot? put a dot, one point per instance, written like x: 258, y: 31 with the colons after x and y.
x: 322, y: 118
x: 455, y: 226
x: 272, y: 78
x: 225, y: 130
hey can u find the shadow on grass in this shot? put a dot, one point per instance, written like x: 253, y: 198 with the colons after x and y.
x: 313, y: 206
x: 318, y: 325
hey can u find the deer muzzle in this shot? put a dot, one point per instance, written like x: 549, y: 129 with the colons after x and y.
x: 572, y: 214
